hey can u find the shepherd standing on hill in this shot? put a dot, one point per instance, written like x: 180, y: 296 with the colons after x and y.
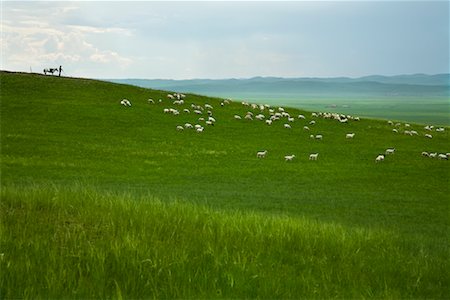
x: 60, y: 70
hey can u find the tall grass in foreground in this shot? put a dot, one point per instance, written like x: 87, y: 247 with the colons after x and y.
x: 79, y: 243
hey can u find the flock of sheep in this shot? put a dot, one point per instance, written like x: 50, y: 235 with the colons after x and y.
x: 275, y: 115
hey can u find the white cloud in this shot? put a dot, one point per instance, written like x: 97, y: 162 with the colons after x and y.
x: 32, y: 39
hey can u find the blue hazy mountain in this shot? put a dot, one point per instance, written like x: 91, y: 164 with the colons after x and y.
x: 417, y: 85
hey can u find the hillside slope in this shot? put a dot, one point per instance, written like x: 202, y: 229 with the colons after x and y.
x: 65, y: 130
x: 80, y: 174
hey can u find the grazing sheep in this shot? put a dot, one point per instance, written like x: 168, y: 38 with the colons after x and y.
x: 248, y: 117
x: 424, y: 153
x: 291, y: 119
x: 319, y: 137
x: 407, y: 132
x: 209, y: 123
x: 301, y: 116
x: 414, y: 132
x: 390, y: 151
x: 379, y: 158
x: 313, y: 156
x: 312, y: 122
x: 197, y: 126
x: 199, y: 130
x: 395, y: 130
x: 261, y: 154
x: 428, y: 136
x: 198, y: 112
x: 186, y: 111
x: 440, y: 129
x: 180, y: 128
x: 150, y: 101
x: 432, y: 155
x: 442, y: 156
x: 311, y: 136
x: 289, y: 157
x: 237, y: 117
x: 390, y: 123
x: 287, y: 126
x: 305, y: 128
x: 349, y: 135
x: 188, y: 126
x: 125, y: 102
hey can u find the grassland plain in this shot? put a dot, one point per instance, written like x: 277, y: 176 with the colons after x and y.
x: 75, y: 162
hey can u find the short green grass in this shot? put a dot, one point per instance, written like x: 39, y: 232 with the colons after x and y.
x: 73, y: 159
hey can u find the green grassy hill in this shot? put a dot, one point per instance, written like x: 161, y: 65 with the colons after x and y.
x: 102, y: 200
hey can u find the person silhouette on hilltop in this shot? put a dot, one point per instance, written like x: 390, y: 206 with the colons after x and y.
x: 60, y: 70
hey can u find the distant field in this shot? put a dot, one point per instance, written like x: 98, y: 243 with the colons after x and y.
x: 99, y: 200
x: 407, y: 109
x: 420, y: 98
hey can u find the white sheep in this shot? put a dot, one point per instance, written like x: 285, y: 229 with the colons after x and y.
x: 432, y: 155
x: 188, y: 126
x: 289, y: 157
x: 305, y: 128
x: 150, y: 101
x: 313, y: 156
x: 311, y: 136
x: 319, y: 137
x: 424, y: 153
x: 442, y: 156
x: 395, y: 130
x: 312, y: 122
x: 269, y: 122
x: 390, y: 151
x: 125, y: 102
x: 379, y: 158
x: 301, y: 117
x: 211, y: 119
x: 180, y: 128
x: 261, y: 154
x: 349, y: 135
x: 209, y: 123
x: 428, y: 136
x: 287, y: 126
x: 237, y: 117
x: 186, y: 111
x: 199, y: 130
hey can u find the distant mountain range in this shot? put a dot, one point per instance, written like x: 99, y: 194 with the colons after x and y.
x: 417, y: 85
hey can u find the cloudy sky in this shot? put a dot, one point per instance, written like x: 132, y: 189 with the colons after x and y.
x: 212, y: 39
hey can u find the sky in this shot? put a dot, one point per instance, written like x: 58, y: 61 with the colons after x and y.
x: 225, y: 39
